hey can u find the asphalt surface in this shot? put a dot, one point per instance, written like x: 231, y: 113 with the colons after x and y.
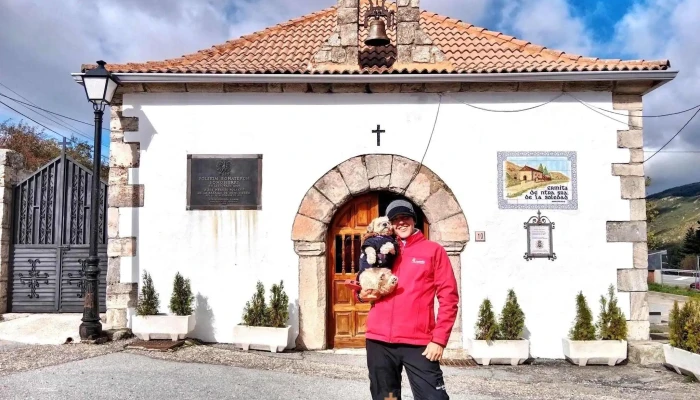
x: 130, y: 376
x: 210, y: 372
x: 683, y: 281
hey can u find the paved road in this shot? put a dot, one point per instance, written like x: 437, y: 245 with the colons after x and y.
x: 664, y: 303
x: 128, y: 376
x: 135, y: 376
x: 678, y: 280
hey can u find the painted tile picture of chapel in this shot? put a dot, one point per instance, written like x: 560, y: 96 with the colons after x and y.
x: 537, y: 178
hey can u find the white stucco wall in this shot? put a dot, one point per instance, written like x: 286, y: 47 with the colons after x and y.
x: 302, y: 136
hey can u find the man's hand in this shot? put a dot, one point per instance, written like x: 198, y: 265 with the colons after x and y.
x: 433, y: 352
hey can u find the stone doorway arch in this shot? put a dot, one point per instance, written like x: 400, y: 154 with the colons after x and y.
x: 355, y: 176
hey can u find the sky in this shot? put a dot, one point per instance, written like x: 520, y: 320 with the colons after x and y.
x: 43, y: 41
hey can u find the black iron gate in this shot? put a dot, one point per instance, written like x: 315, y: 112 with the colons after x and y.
x: 51, y: 227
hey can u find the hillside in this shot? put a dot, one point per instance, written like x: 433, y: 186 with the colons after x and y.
x: 557, y: 176
x: 679, y: 209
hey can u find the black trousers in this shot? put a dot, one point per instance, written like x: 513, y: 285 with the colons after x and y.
x: 385, y: 362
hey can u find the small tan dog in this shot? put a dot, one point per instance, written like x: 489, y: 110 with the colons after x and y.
x: 378, y: 252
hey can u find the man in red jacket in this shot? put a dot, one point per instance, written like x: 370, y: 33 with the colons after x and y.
x: 401, y: 327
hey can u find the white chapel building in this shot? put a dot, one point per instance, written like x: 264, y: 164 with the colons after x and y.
x: 481, y: 131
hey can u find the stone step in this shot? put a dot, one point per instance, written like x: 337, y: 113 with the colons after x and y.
x: 645, y: 352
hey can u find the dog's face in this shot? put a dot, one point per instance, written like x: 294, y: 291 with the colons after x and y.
x: 381, y: 226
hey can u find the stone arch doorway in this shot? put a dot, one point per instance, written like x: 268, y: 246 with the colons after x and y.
x: 351, y: 179
x: 345, y: 317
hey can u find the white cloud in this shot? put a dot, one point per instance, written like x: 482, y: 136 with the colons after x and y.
x: 667, y: 29
x: 548, y: 23
x: 45, y: 41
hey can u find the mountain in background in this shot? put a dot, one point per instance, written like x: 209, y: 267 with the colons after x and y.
x: 679, y: 209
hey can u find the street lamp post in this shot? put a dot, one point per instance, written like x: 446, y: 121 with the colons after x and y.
x: 100, y: 86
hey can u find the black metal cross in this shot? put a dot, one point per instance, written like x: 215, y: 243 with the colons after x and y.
x: 34, y: 278
x: 378, y: 131
x: 80, y: 278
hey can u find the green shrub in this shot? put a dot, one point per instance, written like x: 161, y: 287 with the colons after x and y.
x: 612, y: 324
x: 583, y: 328
x: 256, y: 312
x: 684, y: 326
x: 512, y: 320
x: 676, y: 323
x: 279, y: 303
x: 486, y: 326
x: 182, y: 298
x: 148, y: 298
x: 692, y: 327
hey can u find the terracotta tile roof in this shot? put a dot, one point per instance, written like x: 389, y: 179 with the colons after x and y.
x: 289, y: 48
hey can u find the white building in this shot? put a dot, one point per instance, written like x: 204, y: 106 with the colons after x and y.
x: 297, y: 106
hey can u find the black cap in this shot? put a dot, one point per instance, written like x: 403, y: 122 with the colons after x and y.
x: 400, y: 207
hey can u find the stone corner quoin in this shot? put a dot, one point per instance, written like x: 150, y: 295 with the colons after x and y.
x: 121, y: 295
x: 633, y: 189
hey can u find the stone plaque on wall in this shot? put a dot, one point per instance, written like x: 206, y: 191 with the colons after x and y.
x: 224, y: 182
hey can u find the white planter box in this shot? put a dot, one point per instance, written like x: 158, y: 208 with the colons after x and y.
x: 261, y: 337
x: 486, y: 352
x: 162, y: 326
x: 595, y: 352
x: 682, y: 361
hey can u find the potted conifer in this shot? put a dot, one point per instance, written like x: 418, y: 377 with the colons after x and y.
x: 608, y: 345
x: 682, y: 353
x: 264, y: 327
x: 149, y: 324
x: 500, y: 343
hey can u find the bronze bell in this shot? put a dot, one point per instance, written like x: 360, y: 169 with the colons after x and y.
x: 377, y: 34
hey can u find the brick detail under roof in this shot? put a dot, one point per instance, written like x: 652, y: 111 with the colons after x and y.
x: 294, y: 47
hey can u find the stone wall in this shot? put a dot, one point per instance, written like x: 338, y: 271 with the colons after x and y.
x: 122, y: 194
x: 412, y: 44
x: 632, y: 187
x: 11, y: 164
x: 342, y: 46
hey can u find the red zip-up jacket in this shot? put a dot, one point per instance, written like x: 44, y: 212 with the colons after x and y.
x: 407, y: 315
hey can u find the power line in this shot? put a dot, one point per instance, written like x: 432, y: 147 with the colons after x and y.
x: 641, y: 116
x: 53, y: 120
x: 55, y: 113
x: 68, y: 127
x: 428, y: 145
x: 674, y: 136
x: 33, y: 120
x: 606, y: 116
x: 32, y: 104
x: 509, y: 111
x: 21, y: 102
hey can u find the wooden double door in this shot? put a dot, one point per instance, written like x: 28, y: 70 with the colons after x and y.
x: 346, y: 317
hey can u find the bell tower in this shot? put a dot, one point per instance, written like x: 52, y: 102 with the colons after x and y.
x: 413, y: 46
x: 388, y: 27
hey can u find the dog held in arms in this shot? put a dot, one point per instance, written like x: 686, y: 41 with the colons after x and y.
x: 378, y: 252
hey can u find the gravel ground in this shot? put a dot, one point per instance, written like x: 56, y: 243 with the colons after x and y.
x: 16, y: 357
x: 541, y: 380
